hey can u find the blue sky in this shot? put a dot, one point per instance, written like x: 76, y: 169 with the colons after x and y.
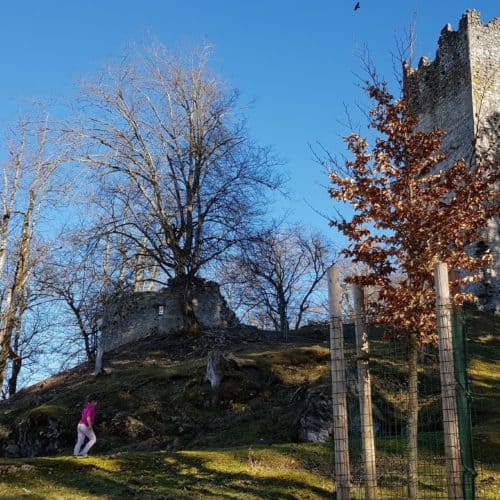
x: 293, y: 61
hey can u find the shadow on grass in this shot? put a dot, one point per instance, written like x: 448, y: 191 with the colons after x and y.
x: 175, y: 475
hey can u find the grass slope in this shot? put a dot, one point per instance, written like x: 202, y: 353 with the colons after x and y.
x: 240, y: 444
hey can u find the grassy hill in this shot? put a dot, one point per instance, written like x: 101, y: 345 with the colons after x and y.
x: 162, y: 433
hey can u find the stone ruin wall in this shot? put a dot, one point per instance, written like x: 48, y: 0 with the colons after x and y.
x: 137, y: 315
x: 460, y: 92
x: 484, y: 50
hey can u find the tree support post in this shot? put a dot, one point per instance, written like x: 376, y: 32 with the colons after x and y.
x: 339, y: 391
x: 448, y: 384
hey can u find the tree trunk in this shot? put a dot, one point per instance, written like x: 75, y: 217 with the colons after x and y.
x: 190, y: 323
x: 4, y: 233
x: 89, y: 349
x: 365, y: 394
x: 412, y: 429
x: 98, y: 360
x: 216, y: 364
x: 284, y: 325
x: 15, y: 356
x: 4, y: 357
x: 7, y: 323
x: 16, y: 364
x: 12, y: 306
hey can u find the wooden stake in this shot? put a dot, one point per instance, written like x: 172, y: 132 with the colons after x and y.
x: 339, y: 392
x: 448, y: 390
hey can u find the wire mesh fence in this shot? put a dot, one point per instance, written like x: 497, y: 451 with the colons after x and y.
x: 407, y: 408
x: 388, y: 366
x: 384, y: 472
x: 371, y: 374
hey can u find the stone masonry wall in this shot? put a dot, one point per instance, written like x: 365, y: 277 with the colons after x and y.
x: 484, y: 53
x: 138, y: 314
x: 439, y: 91
x: 484, y: 50
x: 460, y: 92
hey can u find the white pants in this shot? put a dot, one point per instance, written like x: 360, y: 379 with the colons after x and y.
x: 84, y: 432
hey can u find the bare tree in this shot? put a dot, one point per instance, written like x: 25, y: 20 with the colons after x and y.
x: 31, y: 341
x: 279, y: 272
x: 163, y: 132
x: 85, y: 272
x: 28, y: 187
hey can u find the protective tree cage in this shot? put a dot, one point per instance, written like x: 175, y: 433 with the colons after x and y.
x: 382, y: 362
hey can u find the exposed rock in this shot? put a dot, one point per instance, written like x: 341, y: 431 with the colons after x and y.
x: 149, y: 444
x: 16, y: 469
x: 316, y: 420
x: 12, y: 450
x: 220, y: 365
x: 216, y: 365
x: 39, y: 434
x: 315, y: 423
x: 130, y: 426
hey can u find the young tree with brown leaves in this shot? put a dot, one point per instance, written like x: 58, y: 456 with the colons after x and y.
x: 410, y: 213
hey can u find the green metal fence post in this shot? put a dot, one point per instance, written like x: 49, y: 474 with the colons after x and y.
x: 463, y: 403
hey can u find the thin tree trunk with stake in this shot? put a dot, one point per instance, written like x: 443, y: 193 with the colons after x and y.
x: 412, y: 421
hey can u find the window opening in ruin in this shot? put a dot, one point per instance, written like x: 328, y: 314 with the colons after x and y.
x: 481, y: 248
x: 161, y: 310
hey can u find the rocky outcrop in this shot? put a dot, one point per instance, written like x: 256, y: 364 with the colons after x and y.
x: 315, y: 424
x: 132, y: 427
x: 41, y: 432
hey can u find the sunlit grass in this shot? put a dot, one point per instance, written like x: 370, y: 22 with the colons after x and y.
x: 232, y: 473
x: 299, y: 471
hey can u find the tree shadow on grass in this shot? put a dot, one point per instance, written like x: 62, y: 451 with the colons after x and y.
x: 175, y: 475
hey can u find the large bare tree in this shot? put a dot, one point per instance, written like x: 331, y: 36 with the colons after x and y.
x: 165, y: 136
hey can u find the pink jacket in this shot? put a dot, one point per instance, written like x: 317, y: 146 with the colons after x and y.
x: 88, y: 411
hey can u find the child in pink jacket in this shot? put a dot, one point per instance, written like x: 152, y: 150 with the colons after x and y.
x: 85, y: 429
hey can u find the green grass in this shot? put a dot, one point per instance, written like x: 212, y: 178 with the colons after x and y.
x: 247, y: 473
x: 240, y: 443
x: 294, y: 471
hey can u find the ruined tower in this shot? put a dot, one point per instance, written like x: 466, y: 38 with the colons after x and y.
x: 459, y: 92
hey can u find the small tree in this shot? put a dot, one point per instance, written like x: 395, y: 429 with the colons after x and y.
x: 86, y: 271
x: 410, y: 213
x: 279, y: 273
x: 32, y: 343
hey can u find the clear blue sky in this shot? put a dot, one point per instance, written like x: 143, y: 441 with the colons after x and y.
x: 293, y: 60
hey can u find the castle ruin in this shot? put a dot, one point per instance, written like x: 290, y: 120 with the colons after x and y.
x: 137, y: 315
x: 459, y: 92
